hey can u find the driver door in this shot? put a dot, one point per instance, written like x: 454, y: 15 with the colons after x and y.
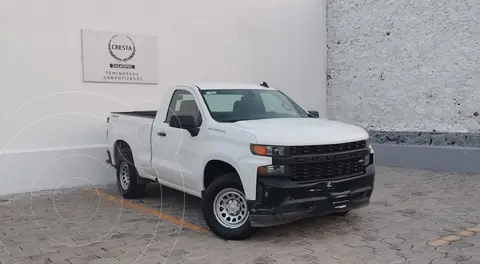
x: 174, y: 153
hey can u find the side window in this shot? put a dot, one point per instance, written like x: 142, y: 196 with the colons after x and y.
x: 183, y: 103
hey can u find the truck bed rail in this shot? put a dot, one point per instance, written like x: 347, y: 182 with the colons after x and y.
x: 144, y: 114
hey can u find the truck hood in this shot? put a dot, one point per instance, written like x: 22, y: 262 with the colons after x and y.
x: 301, y: 131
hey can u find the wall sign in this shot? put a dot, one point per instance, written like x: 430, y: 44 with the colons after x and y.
x: 119, y: 57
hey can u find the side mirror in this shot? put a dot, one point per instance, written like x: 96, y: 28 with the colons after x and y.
x: 314, y: 114
x: 186, y: 122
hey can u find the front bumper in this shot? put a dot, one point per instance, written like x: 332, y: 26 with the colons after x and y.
x: 281, y: 200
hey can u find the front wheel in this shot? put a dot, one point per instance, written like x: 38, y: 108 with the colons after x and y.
x: 225, y: 208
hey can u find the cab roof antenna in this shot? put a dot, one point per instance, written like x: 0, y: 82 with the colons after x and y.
x: 264, y: 84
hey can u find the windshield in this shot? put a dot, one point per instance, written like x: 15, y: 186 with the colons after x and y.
x: 245, y: 104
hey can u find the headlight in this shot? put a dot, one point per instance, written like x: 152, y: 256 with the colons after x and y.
x: 270, y: 151
x: 271, y: 170
x: 369, y: 157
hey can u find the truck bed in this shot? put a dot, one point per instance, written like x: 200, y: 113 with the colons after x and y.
x: 144, y: 114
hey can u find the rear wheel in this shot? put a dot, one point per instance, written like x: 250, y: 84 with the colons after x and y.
x: 225, y: 208
x: 127, y: 177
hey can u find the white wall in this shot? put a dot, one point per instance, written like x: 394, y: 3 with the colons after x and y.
x: 405, y: 65
x: 49, y: 112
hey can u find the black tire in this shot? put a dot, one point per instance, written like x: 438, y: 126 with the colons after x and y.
x: 227, y: 181
x: 341, y: 213
x: 134, y: 189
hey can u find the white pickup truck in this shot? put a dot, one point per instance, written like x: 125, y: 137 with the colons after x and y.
x: 253, y: 155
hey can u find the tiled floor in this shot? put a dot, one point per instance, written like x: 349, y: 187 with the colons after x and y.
x: 415, y: 217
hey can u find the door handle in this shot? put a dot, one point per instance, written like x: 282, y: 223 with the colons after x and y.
x: 162, y: 134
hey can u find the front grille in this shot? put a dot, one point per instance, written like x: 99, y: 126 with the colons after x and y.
x: 325, y: 149
x: 327, y: 170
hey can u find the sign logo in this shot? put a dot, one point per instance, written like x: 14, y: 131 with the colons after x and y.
x: 122, y: 48
x: 116, y: 57
x: 329, y: 185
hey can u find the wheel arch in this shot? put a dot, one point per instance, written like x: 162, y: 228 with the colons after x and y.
x: 215, y: 168
x: 117, y: 146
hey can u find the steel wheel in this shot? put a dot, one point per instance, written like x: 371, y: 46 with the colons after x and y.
x: 230, y: 208
x: 124, y: 176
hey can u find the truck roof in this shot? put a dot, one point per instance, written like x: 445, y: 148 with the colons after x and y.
x: 230, y: 86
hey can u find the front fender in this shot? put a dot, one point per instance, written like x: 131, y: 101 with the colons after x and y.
x: 232, y: 146
x: 246, y: 168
